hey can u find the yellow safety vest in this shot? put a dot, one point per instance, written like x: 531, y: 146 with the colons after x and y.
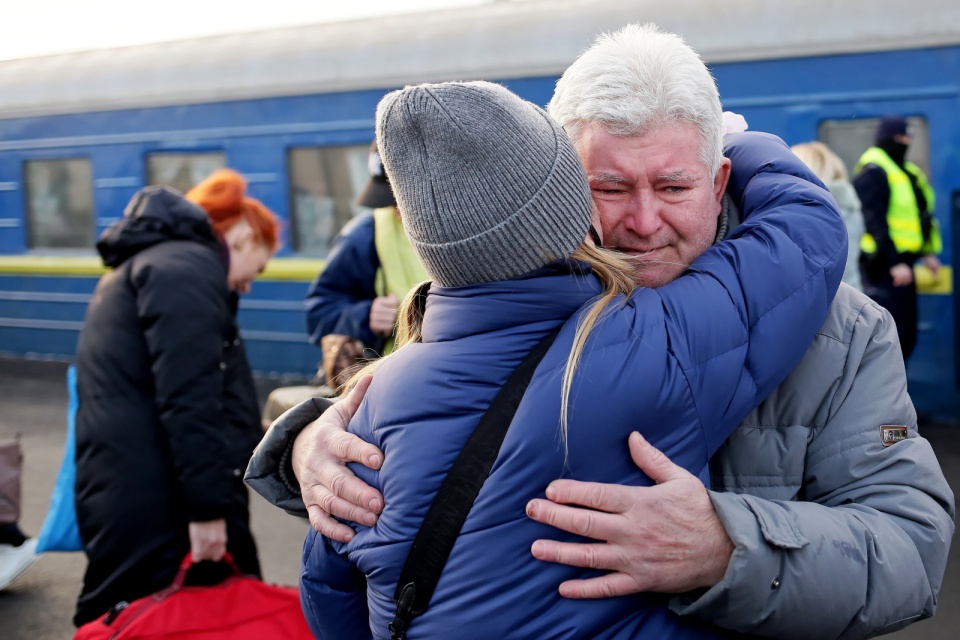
x: 400, y: 269
x: 903, y: 218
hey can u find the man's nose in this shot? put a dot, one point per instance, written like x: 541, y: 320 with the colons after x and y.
x: 643, y: 217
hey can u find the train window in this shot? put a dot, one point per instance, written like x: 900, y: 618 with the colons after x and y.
x: 182, y: 170
x: 850, y: 138
x: 324, y: 183
x: 59, y: 204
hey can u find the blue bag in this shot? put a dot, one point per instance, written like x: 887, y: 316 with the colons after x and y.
x: 60, y: 531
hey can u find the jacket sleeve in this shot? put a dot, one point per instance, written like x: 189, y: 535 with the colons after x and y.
x: 864, y: 550
x: 270, y: 472
x: 339, y: 299
x: 333, y: 593
x: 768, y: 287
x: 182, y: 308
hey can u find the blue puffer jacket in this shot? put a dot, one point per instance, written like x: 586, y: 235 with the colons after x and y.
x: 683, y: 364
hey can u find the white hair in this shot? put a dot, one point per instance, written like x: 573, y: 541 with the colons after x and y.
x: 637, y: 79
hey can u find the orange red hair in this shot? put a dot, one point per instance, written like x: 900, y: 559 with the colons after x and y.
x: 223, y: 196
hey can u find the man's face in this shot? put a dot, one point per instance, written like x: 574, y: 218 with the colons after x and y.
x: 657, y: 200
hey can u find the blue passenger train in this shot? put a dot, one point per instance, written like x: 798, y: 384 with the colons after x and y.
x: 292, y: 109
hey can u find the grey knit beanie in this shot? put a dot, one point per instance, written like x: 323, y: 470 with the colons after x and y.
x: 488, y: 186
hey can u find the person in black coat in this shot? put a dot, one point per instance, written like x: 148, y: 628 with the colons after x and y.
x: 168, y: 415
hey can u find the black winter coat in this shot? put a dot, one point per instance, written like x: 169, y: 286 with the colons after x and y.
x: 168, y: 415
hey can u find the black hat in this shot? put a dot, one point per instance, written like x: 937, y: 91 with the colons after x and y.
x: 377, y: 193
x: 890, y: 127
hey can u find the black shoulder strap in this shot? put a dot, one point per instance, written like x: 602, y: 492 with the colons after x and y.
x: 442, y: 524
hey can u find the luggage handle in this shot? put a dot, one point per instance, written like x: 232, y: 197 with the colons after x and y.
x: 187, y: 562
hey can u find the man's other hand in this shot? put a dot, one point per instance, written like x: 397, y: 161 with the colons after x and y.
x: 666, y: 538
x: 932, y: 262
x: 319, y: 459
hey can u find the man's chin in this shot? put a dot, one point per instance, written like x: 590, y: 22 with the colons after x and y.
x: 653, y: 275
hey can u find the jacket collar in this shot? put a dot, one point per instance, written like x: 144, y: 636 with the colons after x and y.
x: 539, y: 300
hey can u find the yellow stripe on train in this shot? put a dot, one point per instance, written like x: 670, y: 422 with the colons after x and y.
x: 306, y: 269
x: 281, y: 269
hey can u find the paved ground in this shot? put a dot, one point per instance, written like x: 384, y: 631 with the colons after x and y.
x: 38, y: 606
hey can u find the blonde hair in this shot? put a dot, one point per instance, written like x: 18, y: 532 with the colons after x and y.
x: 617, y: 275
x: 821, y: 160
x: 614, y: 271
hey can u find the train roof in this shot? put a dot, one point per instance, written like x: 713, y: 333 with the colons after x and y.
x: 502, y: 39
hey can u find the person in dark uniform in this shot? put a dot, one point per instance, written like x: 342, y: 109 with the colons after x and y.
x: 898, y: 203
x: 168, y: 415
x: 370, y: 269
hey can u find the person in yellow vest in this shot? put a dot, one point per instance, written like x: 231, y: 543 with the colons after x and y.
x: 368, y: 272
x: 898, y: 204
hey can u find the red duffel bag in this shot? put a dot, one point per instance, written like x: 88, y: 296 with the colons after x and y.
x: 239, y: 608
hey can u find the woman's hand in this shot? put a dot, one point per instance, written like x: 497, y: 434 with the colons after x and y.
x: 208, y: 540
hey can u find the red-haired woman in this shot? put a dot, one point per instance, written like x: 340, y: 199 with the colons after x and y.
x: 168, y: 413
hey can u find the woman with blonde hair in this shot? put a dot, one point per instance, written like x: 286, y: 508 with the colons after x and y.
x: 830, y: 169
x: 498, y: 207
x: 168, y: 414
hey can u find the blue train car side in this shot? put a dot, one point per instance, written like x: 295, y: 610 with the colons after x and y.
x: 812, y: 70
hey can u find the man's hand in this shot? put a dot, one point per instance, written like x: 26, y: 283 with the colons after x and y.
x: 208, y: 540
x: 329, y: 488
x: 902, y: 274
x: 667, y: 538
x: 383, y: 315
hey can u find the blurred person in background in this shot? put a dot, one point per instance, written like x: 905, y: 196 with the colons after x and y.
x: 352, y: 304
x: 370, y: 269
x: 168, y: 413
x: 826, y: 499
x: 829, y: 168
x: 898, y: 204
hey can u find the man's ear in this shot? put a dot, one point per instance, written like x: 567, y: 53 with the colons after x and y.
x: 727, y: 218
x: 721, y: 179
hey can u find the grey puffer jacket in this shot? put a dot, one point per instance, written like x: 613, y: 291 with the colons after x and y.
x: 837, y: 535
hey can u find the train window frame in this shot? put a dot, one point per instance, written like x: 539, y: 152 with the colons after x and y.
x: 85, y: 230
x: 342, y: 204
x: 850, y: 137
x: 195, y: 177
